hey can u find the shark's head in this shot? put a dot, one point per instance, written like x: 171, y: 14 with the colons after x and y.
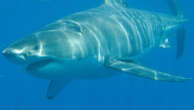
x: 47, y: 52
x: 22, y: 51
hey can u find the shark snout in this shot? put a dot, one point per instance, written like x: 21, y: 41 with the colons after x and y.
x: 6, y: 53
x: 14, y: 55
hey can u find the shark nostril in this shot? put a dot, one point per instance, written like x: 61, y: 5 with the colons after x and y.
x: 13, y: 55
x: 3, y: 52
x: 9, y: 53
x: 6, y: 52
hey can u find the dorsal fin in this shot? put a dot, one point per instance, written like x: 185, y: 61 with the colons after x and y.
x: 121, y: 3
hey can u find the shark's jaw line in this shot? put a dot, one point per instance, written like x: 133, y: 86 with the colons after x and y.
x: 38, y: 64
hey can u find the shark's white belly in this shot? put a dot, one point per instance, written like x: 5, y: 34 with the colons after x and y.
x: 82, y: 69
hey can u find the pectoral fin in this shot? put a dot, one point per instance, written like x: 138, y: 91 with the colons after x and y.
x: 141, y: 71
x: 55, y: 87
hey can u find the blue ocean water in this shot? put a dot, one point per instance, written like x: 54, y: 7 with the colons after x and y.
x: 20, y: 91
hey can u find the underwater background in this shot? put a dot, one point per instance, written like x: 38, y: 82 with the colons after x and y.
x: 20, y: 91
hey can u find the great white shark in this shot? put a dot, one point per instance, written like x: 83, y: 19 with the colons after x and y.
x: 99, y: 43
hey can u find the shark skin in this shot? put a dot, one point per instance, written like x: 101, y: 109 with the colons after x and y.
x: 98, y: 43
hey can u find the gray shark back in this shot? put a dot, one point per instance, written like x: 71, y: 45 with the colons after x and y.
x: 118, y: 32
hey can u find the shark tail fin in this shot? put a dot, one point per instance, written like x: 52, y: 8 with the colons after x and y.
x: 180, y: 34
x: 176, y: 8
x: 180, y: 38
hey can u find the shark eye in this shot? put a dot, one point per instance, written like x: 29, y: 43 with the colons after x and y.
x: 36, y: 47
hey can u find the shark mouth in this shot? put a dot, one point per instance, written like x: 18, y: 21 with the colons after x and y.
x: 45, y: 69
x: 38, y: 64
